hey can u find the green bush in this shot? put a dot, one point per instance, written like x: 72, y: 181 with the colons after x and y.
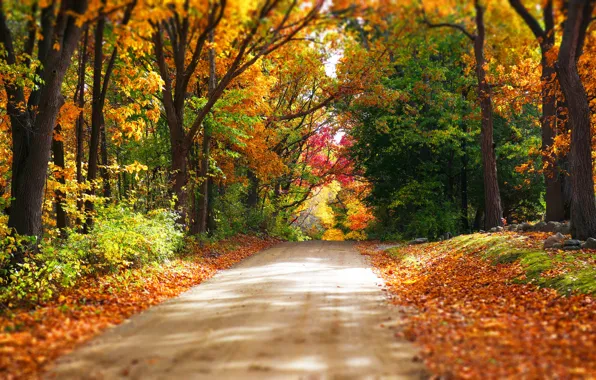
x: 233, y: 216
x: 123, y: 238
x: 231, y: 212
x: 120, y: 238
x: 280, y: 228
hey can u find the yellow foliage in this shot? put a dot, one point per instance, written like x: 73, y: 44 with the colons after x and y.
x: 356, y: 235
x: 334, y: 234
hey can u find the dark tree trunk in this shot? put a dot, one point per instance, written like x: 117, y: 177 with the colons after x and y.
x: 583, y: 205
x: 492, y: 198
x: 103, y: 171
x: 195, y: 166
x: 32, y: 149
x: 465, y: 224
x: 80, y: 123
x: 96, y: 114
x: 555, y: 210
x: 59, y: 196
x: 211, y: 222
x: 179, y: 176
x: 205, y: 154
x: 204, y: 177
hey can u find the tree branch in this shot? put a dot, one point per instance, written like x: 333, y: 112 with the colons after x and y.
x: 528, y: 18
x: 459, y: 27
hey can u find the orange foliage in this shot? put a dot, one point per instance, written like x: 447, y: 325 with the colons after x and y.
x: 473, y: 321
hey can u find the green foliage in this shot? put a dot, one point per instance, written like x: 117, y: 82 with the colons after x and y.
x: 233, y: 216
x: 124, y: 238
x: 282, y: 230
x: 119, y: 239
x: 415, y: 151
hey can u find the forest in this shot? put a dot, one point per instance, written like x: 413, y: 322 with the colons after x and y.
x: 145, y: 145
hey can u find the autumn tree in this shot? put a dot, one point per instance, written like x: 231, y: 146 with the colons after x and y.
x: 583, y: 205
x: 545, y: 36
x: 493, y: 210
x: 101, y: 81
x: 33, y: 113
x: 271, y: 25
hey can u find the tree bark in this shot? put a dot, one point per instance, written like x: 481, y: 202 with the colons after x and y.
x: 80, y: 123
x: 32, y: 149
x: 103, y: 171
x: 583, y: 203
x: 555, y: 210
x: 59, y: 196
x: 492, y: 198
x: 96, y: 113
x: 465, y: 223
x: 206, y: 147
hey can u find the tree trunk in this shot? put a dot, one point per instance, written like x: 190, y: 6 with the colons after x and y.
x: 583, y: 205
x: 179, y: 176
x: 211, y: 222
x: 96, y: 115
x: 104, y: 172
x: 555, y: 210
x: 29, y: 180
x: 465, y: 223
x: 204, y: 176
x: 492, y: 197
x: 80, y: 123
x: 204, y: 173
x: 59, y: 196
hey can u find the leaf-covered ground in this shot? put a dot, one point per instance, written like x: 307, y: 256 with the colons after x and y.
x: 31, y: 339
x: 474, y: 306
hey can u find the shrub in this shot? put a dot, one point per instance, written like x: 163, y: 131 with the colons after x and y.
x: 122, y: 238
x: 356, y: 235
x: 119, y: 239
x: 280, y: 228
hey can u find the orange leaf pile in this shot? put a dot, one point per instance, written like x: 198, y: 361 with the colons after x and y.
x: 31, y: 339
x: 473, y: 320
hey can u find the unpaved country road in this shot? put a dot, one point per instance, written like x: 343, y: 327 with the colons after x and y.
x: 308, y: 310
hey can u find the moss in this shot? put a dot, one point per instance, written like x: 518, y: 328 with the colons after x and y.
x: 582, y: 281
x: 400, y: 256
x: 535, y: 263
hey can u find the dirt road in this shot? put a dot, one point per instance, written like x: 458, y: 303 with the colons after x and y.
x: 308, y: 310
